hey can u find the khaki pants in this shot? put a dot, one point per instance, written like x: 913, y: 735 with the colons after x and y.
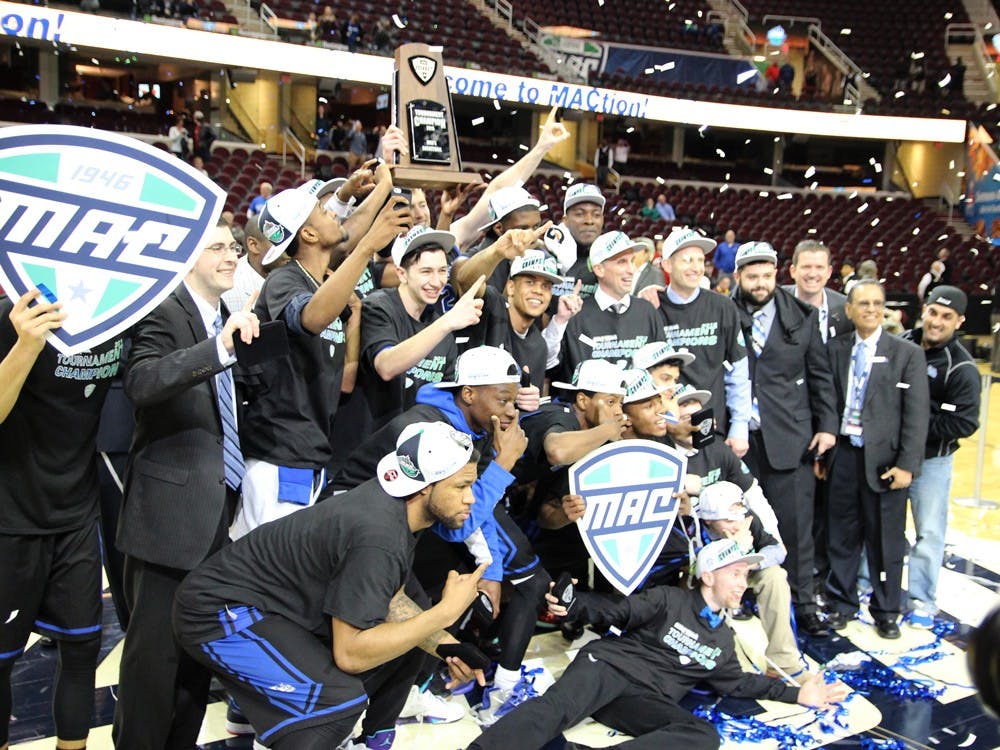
x: 774, y: 601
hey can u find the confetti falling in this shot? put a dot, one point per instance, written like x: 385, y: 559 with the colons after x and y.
x: 478, y: 121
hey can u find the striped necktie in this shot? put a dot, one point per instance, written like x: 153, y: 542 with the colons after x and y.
x: 232, y: 456
x: 757, y: 334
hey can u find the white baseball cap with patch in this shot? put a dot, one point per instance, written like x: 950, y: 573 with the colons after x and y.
x: 483, y: 365
x: 596, y: 376
x: 639, y: 386
x: 681, y: 237
x: 536, y: 263
x: 426, y: 452
x: 610, y: 244
x: 755, y: 252
x: 658, y: 352
x: 716, y: 501
x: 583, y: 193
x: 418, y: 237
x: 506, y: 201
x: 686, y: 393
x: 720, y: 554
x: 283, y: 216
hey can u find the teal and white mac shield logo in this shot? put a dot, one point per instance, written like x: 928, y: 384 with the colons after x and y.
x: 109, y: 224
x: 629, y: 489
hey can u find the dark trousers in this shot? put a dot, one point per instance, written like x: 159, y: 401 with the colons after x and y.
x: 821, y: 563
x: 791, y: 495
x: 592, y: 688
x: 860, y: 518
x: 110, y: 474
x: 162, y: 692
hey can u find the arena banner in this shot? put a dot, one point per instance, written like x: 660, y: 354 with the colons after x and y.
x: 628, y: 488
x: 64, y: 28
x: 103, y: 223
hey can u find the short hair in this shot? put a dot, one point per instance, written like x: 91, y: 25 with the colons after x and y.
x: 410, y: 259
x: 865, y: 282
x: 810, y: 246
x: 252, y: 228
x: 221, y: 223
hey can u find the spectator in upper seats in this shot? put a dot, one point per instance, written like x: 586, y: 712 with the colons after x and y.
x: 621, y: 151
x: 724, y: 256
x: 352, y: 33
x: 847, y: 274
x: 204, y: 136
x: 90, y: 6
x: 771, y: 74
x: 382, y: 41
x: 257, y: 204
x: 708, y: 280
x: 918, y: 73
x: 178, y: 138
x: 930, y: 279
x: 357, y: 145
x: 198, y: 163
x: 328, y: 25
x: 648, y: 211
x: 786, y: 77
x: 603, y: 161
x: 957, y: 82
x: 664, y: 209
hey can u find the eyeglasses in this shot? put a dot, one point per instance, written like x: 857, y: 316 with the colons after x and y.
x: 220, y: 248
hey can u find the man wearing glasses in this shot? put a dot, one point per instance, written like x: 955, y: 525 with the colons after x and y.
x: 181, y: 487
x: 884, y: 405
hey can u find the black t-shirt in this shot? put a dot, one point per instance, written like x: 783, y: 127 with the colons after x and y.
x: 48, y: 471
x: 555, y: 416
x: 602, y: 334
x: 491, y: 330
x: 716, y: 462
x: 345, y: 558
x: 529, y: 351
x: 709, y: 328
x: 291, y: 401
x: 369, y: 280
x: 384, y: 324
x: 498, y: 279
x: 669, y: 647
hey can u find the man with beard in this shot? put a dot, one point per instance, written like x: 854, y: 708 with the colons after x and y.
x: 792, y: 422
x: 954, y: 388
x: 305, y: 619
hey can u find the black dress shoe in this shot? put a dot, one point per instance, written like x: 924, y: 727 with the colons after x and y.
x: 887, y: 629
x: 810, y: 624
x: 836, y: 620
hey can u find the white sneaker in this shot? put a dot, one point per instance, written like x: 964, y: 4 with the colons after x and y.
x: 423, y: 705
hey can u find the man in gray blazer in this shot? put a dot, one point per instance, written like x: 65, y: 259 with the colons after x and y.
x: 884, y: 405
x: 811, y: 271
x: 793, y: 422
x: 181, y: 487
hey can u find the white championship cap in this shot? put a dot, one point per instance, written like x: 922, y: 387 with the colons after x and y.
x: 685, y: 237
x: 639, y: 386
x: 658, y: 352
x: 506, y: 201
x: 426, y: 452
x: 716, y: 501
x: 418, y: 237
x: 720, y: 554
x: 596, y: 376
x: 483, y: 365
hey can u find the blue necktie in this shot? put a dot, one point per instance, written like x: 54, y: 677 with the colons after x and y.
x: 859, y: 381
x: 232, y: 456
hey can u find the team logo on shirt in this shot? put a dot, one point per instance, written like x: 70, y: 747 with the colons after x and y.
x: 103, y: 223
x: 629, y: 489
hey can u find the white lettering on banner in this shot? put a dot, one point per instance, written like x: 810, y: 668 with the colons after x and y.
x: 97, y: 32
x: 637, y: 506
x: 102, y: 230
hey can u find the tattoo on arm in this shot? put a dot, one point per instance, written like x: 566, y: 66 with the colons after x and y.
x: 402, y: 608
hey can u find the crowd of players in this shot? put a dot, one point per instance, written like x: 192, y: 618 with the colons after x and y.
x: 344, y: 493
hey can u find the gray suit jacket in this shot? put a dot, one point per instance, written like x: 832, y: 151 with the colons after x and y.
x: 896, y: 409
x: 791, y: 381
x: 835, y: 301
x: 175, y: 492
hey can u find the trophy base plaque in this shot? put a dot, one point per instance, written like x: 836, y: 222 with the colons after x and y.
x: 429, y: 178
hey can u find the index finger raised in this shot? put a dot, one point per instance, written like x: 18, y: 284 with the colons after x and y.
x: 248, y: 307
x: 474, y: 289
x: 551, y: 116
x: 577, y: 287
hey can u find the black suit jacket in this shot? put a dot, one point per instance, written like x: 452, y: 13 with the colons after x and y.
x: 838, y: 319
x: 791, y: 380
x: 896, y: 409
x: 175, y: 492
